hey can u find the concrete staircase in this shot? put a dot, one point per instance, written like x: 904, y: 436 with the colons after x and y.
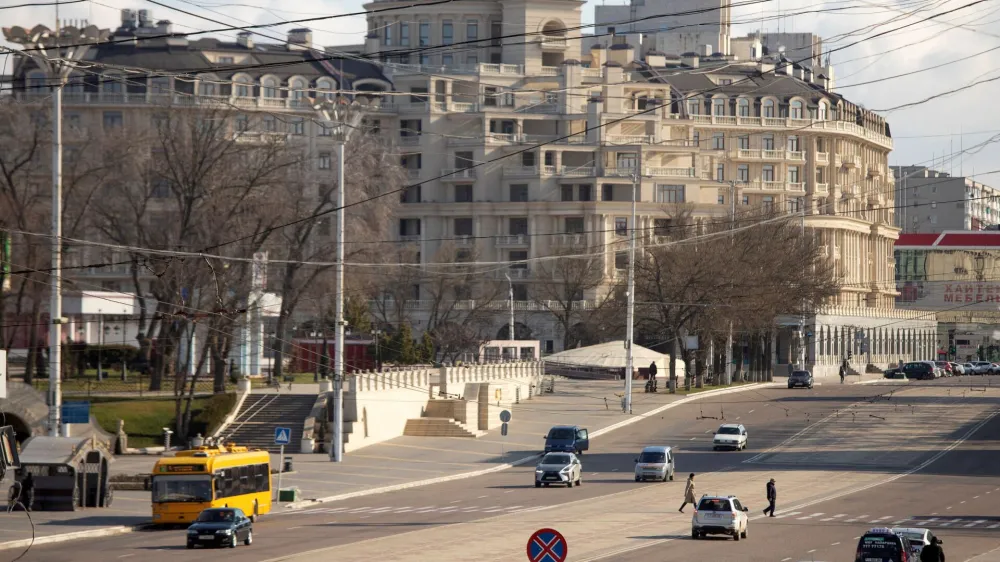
x: 255, y: 424
x: 439, y: 427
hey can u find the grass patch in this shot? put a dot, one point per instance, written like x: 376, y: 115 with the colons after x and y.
x: 146, y: 418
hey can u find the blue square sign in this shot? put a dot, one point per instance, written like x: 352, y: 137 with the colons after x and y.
x: 282, y: 435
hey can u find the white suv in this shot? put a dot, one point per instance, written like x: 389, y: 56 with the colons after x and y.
x: 730, y: 436
x: 719, y: 515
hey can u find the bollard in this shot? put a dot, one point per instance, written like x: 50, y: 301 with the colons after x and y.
x: 288, y: 464
x: 166, y: 438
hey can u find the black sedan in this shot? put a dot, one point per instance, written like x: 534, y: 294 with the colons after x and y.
x: 220, y: 527
x: 800, y: 378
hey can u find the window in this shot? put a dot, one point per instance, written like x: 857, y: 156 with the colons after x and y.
x: 718, y: 107
x: 584, y: 193
x: 820, y: 175
x: 297, y: 91
x: 517, y: 226
x: 410, y: 127
x: 621, y: 260
x: 767, y: 142
x: 324, y: 130
x: 387, y: 35
x: 696, y: 138
x: 670, y: 194
x: 768, y: 108
x: 471, y: 60
x: 463, y: 194
x: 425, y: 59
x: 297, y: 127
x: 226, y: 60
x: 413, y: 161
x: 743, y: 142
x: 746, y: 199
x: 325, y: 161
x: 767, y: 173
x: 239, y: 480
x: 767, y: 202
x: 243, y: 87
x: 933, y: 204
x: 110, y: 84
x: 694, y: 107
x: 743, y: 107
x: 463, y: 227
x: 793, y: 144
x: 72, y: 120
x: 472, y: 30
x: 621, y: 226
x: 113, y: 120
x: 661, y: 227
x: 206, y: 88
x: 161, y: 189
x: 447, y: 60
x: 528, y: 159
x: 743, y: 173
x: 573, y: 225
x: 520, y: 289
x: 607, y: 192
x: 404, y: 34
x: 722, y: 200
x: 795, y: 110
x: 496, y: 31
x: 519, y: 193
x: 270, y: 124
x: 795, y: 205
x: 425, y: 34
x: 823, y: 111
x: 447, y: 33
x: 718, y: 141
x: 160, y: 85
x: 270, y: 88
x: 793, y: 174
x: 720, y: 172
x: 567, y: 193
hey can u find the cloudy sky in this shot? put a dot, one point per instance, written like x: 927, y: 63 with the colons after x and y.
x: 924, y: 133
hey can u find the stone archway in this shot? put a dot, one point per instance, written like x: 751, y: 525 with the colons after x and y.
x: 25, y: 410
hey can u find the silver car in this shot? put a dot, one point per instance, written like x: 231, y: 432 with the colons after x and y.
x: 656, y: 463
x: 559, y: 468
x: 919, y: 538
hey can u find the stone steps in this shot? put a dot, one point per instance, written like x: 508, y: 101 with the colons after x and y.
x: 439, y: 427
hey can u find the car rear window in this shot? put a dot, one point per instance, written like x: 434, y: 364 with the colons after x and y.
x: 879, y: 546
x: 716, y: 504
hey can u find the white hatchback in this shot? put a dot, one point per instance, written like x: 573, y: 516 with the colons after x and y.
x: 720, y: 515
x: 730, y: 436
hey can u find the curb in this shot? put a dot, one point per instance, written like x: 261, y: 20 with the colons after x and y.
x: 442, y: 479
x: 63, y: 537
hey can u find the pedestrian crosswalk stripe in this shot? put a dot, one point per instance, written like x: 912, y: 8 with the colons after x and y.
x: 900, y: 521
x: 974, y: 523
x: 993, y: 526
x: 787, y: 514
x: 810, y: 516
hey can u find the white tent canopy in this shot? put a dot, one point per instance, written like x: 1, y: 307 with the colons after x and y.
x: 612, y: 355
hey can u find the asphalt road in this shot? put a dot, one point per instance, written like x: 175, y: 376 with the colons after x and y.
x: 844, y: 458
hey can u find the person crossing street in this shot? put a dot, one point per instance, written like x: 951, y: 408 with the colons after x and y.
x: 772, y: 496
x: 688, y: 493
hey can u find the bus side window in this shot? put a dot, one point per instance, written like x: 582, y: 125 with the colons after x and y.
x: 261, y: 478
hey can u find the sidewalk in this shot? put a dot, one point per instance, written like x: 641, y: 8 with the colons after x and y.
x: 399, y: 462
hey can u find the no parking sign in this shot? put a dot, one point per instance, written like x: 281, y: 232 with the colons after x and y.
x: 547, y: 545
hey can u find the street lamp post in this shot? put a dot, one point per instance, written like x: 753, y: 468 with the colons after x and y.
x: 510, y: 287
x: 344, y: 114
x: 630, y: 288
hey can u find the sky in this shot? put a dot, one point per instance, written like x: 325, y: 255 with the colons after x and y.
x: 931, y: 133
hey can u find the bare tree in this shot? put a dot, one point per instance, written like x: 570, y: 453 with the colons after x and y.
x: 563, y: 287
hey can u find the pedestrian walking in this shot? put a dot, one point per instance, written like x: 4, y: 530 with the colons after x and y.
x: 932, y: 552
x: 688, y: 493
x: 843, y: 373
x: 772, y: 496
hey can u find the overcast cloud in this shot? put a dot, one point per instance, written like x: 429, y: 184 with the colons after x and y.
x: 932, y: 130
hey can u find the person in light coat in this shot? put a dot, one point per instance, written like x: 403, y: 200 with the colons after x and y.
x: 688, y: 493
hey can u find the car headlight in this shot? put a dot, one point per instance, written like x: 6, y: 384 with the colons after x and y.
x: 225, y: 532
x: 192, y: 531
x: 539, y: 471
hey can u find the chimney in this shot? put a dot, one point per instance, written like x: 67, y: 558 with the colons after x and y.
x: 145, y: 18
x: 690, y: 59
x: 807, y: 75
x: 129, y: 18
x: 164, y: 27
x: 245, y: 39
x: 300, y: 38
x: 756, y: 50
x: 621, y: 53
x: 706, y: 51
x: 597, y: 56
x: 656, y: 59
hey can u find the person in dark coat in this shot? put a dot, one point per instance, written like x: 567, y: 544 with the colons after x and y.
x: 932, y: 552
x: 772, y: 496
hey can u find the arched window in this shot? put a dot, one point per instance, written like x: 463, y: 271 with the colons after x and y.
x: 719, y: 106
x: 75, y: 84
x: 111, y: 84
x: 554, y: 29
x: 270, y: 88
x: 244, y: 87
x: 768, y: 108
x: 325, y: 88
x: 297, y: 90
x: 207, y: 86
x: 37, y: 82
x: 824, y: 111
x: 743, y: 107
x: 795, y: 110
x: 160, y: 85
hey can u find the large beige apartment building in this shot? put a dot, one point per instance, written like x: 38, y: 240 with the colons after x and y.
x: 482, y: 80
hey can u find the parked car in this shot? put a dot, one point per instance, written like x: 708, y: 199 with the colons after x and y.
x: 920, y: 370
x: 982, y: 367
x: 730, y: 436
x: 720, y: 515
x: 970, y: 369
x: 957, y: 368
x: 655, y: 462
x: 800, y: 378
x: 945, y: 368
x: 220, y: 527
x: 567, y: 438
x: 894, y: 373
x: 919, y: 538
x: 559, y: 468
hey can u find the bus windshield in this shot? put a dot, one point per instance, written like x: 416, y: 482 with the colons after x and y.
x: 186, y: 488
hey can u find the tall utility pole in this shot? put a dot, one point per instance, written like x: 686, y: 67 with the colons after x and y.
x: 58, y: 67
x: 732, y: 240
x: 344, y: 115
x: 630, y: 288
x: 802, y: 316
x: 510, y: 286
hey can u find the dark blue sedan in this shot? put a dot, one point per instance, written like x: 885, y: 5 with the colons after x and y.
x: 220, y: 527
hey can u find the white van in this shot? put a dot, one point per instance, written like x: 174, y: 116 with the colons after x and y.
x: 655, y: 463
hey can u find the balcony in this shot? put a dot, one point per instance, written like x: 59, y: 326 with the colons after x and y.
x: 549, y: 42
x: 570, y: 240
x: 629, y: 139
x: 616, y: 172
x: 795, y: 155
x: 260, y: 137
x: 549, y: 71
x: 520, y: 171
x: 458, y: 174
x: 512, y: 241
x: 513, y: 69
x: 875, y: 171
x: 464, y: 240
x: 413, y: 173
x: 515, y: 273
x: 773, y: 154
x: 822, y: 157
x: 788, y: 123
x: 824, y: 187
x: 796, y: 186
x: 745, y: 154
x: 411, y: 140
x: 657, y: 172
x: 462, y: 107
x: 848, y: 161
x: 577, y: 171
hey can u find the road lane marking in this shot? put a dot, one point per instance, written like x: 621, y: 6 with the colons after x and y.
x: 974, y: 523
x: 975, y: 497
x: 789, y: 514
x: 810, y: 516
x: 852, y: 520
x: 126, y: 555
x: 961, y: 502
x: 785, y: 559
x: 881, y: 518
x: 365, y: 516
x: 900, y: 521
x: 811, y: 551
x: 692, y: 439
x: 481, y: 497
x: 834, y: 544
x: 293, y: 528
x: 993, y: 526
x: 750, y: 412
x: 456, y: 501
x: 834, y: 517
x: 949, y: 507
x: 508, y: 491
x: 947, y: 523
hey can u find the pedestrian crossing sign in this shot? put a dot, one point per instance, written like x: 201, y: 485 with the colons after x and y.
x: 282, y: 436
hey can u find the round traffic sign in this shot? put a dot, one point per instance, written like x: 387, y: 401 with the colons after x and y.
x: 547, y: 545
x: 505, y: 416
